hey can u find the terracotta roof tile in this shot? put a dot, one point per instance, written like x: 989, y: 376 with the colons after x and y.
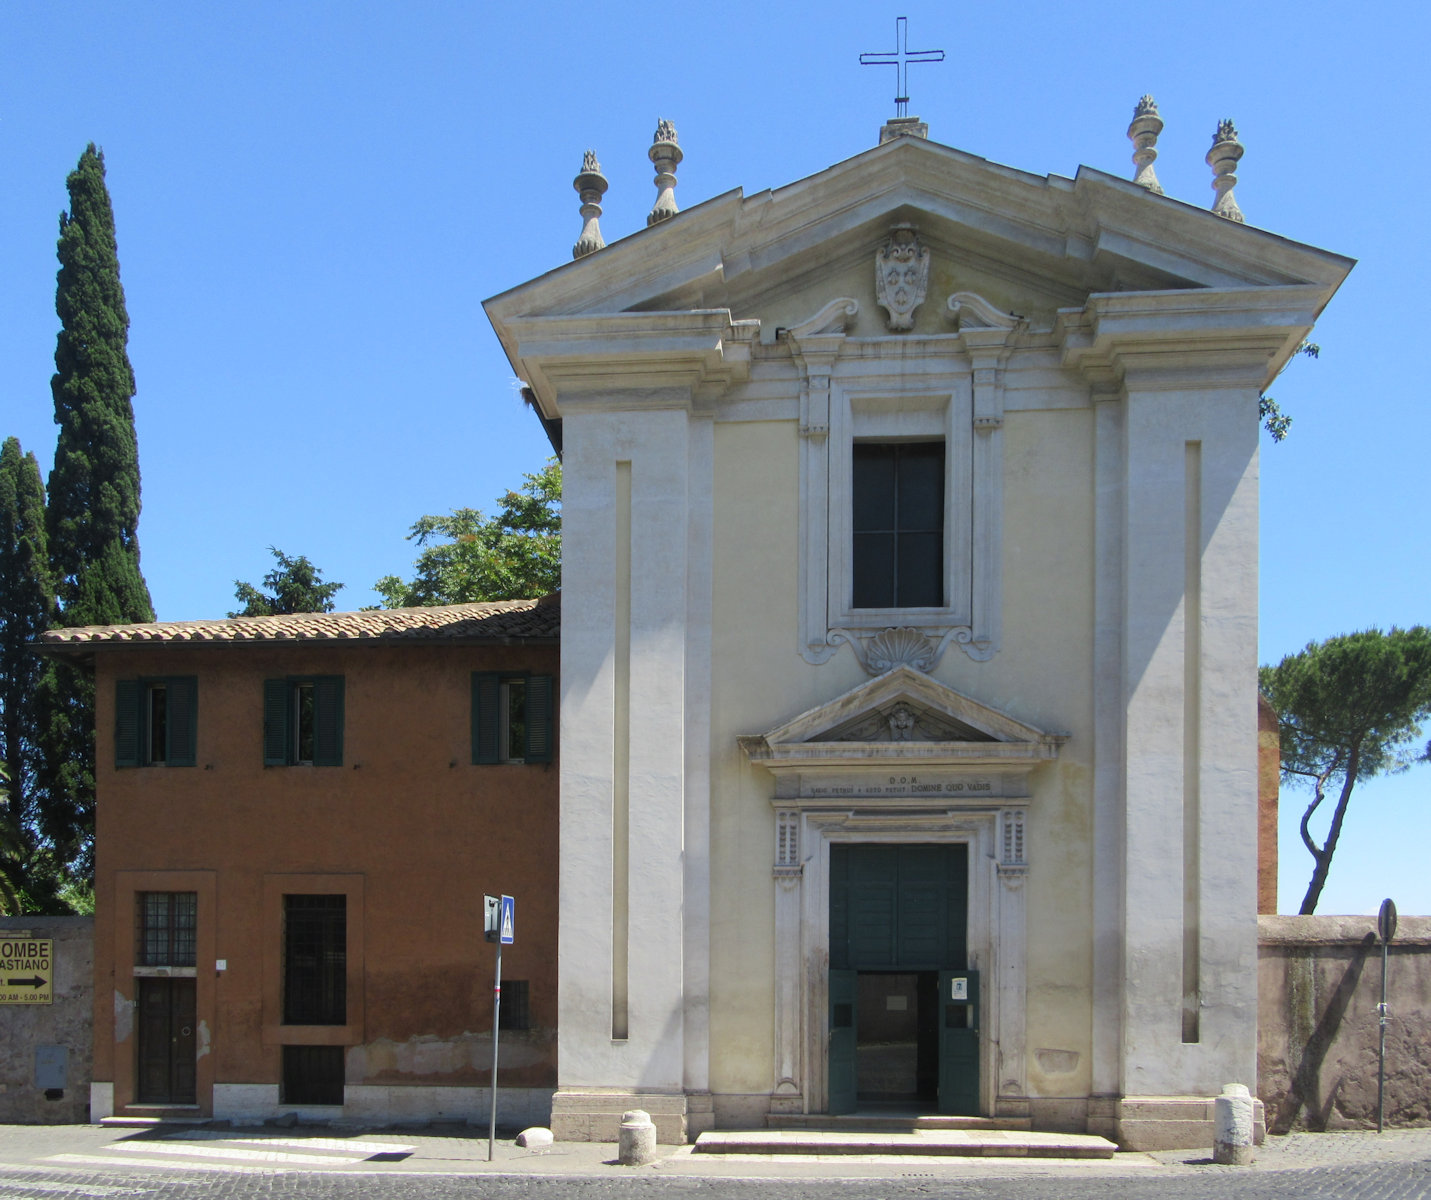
x: 491, y: 621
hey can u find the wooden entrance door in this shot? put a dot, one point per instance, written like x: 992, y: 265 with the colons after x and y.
x: 167, y: 1039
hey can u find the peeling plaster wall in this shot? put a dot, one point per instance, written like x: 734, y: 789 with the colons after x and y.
x: 67, y: 1022
x: 1319, y: 982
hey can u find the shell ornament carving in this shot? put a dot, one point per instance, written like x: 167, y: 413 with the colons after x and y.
x: 891, y: 648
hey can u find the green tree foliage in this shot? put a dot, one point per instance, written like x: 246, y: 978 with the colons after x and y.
x: 12, y: 852
x: 93, y: 513
x: 295, y: 585
x: 467, y: 556
x: 1349, y: 708
x: 94, y: 487
x: 1277, y: 423
x: 27, y: 605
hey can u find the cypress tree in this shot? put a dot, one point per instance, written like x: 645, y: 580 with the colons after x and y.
x: 27, y: 604
x: 94, y: 486
x: 93, y: 514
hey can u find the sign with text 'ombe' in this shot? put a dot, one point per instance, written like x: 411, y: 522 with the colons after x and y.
x: 27, y: 970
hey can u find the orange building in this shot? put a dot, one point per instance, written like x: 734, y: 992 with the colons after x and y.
x: 297, y: 819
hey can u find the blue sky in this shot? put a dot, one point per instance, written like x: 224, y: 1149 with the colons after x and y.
x: 312, y: 200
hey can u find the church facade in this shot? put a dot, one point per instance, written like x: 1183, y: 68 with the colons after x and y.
x: 908, y: 690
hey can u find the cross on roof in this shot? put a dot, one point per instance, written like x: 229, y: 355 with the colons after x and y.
x: 899, y: 58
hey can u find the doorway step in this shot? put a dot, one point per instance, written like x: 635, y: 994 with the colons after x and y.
x: 955, y: 1142
x: 889, y: 1122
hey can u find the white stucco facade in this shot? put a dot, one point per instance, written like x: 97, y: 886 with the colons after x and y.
x: 1079, y: 711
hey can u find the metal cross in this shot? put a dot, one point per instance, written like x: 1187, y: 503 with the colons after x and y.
x: 900, y: 58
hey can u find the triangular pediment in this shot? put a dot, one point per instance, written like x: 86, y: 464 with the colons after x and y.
x: 901, y: 714
x: 1053, y: 240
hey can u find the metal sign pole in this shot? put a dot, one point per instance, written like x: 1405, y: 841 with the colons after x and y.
x: 1386, y: 928
x: 1381, y: 1049
x: 496, y: 1014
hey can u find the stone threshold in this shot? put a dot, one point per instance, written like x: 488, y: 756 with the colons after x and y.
x: 889, y: 1122
x: 971, y: 1143
x: 141, y: 1120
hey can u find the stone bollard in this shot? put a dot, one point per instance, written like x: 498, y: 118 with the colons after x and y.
x: 638, y: 1139
x: 1232, y: 1143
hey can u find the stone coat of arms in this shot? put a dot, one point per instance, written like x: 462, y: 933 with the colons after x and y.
x: 901, y: 276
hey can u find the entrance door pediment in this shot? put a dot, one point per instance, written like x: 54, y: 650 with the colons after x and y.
x: 901, y: 718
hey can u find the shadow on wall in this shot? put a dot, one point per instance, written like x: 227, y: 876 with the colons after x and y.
x: 1319, y: 982
x: 1306, y: 1096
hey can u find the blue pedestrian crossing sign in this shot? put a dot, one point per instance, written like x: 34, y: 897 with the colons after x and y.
x: 508, y: 922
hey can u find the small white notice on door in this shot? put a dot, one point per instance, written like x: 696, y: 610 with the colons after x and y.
x: 959, y: 988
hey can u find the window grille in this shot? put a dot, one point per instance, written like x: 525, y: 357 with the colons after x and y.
x: 515, y: 1012
x: 168, y: 924
x: 312, y: 1075
x: 315, y: 960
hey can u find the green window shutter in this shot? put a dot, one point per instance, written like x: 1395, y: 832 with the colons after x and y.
x: 182, y: 725
x: 127, y: 696
x: 328, y: 721
x: 540, y: 725
x: 275, y: 723
x: 486, y: 716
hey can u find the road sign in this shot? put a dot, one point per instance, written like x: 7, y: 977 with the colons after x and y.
x: 27, y: 970
x: 491, y: 917
x: 509, y: 920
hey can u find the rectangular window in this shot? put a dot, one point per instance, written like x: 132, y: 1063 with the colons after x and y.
x: 155, y: 721
x: 898, y: 524
x: 303, y: 721
x: 315, y: 960
x: 512, y: 720
x: 167, y: 928
x: 312, y: 1075
x: 515, y: 1012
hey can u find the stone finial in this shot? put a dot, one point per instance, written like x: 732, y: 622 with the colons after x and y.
x: 590, y: 185
x: 1222, y: 158
x: 665, y: 153
x: 1143, y: 133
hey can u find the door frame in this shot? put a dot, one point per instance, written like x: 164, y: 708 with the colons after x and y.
x: 996, y: 939
x: 116, y: 1050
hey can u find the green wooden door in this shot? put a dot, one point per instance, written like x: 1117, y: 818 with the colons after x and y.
x: 959, y: 1043
x: 842, y: 1041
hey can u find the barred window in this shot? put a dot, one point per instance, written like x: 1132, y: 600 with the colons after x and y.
x: 315, y: 960
x: 515, y: 1012
x: 167, y: 924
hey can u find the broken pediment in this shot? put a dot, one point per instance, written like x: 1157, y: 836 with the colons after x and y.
x: 902, y: 719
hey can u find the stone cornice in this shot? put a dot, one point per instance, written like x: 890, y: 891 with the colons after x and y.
x: 1194, y: 338
x: 629, y: 360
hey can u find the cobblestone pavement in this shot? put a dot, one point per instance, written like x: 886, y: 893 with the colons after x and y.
x: 275, y: 1164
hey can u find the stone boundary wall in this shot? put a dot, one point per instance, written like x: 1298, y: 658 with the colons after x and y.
x: 1319, y: 981
x: 67, y: 1024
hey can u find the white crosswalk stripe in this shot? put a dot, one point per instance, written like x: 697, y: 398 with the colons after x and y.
x: 236, y: 1154
x: 347, y: 1145
x: 115, y: 1160
x: 220, y: 1150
